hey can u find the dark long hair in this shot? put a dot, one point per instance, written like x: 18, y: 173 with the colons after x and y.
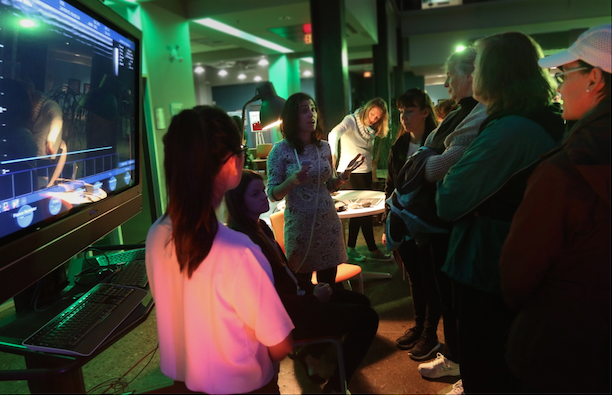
x: 196, y: 146
x: 416, y: 97
x: 239, y: 220
x: 290, y: 128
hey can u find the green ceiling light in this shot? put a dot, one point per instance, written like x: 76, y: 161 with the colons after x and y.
x: 460, y: 48
x: 222, y: 27
x: 27, y: 23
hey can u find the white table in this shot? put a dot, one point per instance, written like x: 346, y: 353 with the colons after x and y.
x: 348, y: 197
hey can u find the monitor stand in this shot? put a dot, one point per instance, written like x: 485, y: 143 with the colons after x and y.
x: 45, y: 291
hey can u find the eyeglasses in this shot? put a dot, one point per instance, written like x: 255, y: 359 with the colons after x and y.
x: 242, y: 151
x: 560, y: 77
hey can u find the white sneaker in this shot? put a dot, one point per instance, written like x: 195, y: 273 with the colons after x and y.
x: 439, y: 367
x: 457, y: 389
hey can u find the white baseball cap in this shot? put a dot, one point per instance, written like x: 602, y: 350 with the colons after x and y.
x: 593, y: 47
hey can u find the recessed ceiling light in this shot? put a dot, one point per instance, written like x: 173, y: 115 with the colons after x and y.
x: 257, y: 78
x: 222, y: 72
x: 307, y: 73
x: 241, y: 76
x: 198, y: 69
x: 27, y: 23
x: 263, y: 62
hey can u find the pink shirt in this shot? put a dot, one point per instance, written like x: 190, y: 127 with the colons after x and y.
x: 215, y: 329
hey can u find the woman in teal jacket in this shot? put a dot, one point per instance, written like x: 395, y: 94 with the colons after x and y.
x: 481, y: 192
x: 555, y: 263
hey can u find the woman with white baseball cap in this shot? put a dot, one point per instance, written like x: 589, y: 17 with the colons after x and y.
x: 555, y: 263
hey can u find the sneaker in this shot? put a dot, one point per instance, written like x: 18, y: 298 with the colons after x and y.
x: 425, y: 347
x: 380, y: 256
x: 457, y: 389
x: 439, y: 367
x: 354, y: 255
x: 409, y: 338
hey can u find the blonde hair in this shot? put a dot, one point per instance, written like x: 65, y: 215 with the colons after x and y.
x: 382, y: 125
x: 508, y: 76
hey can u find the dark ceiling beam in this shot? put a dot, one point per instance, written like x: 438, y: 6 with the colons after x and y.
x: 486, y: 15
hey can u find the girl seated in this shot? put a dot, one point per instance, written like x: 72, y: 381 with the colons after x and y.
x: 222, y: 327
x: 316, y: 311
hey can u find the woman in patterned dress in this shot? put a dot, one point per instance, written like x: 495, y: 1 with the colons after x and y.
x: 300, y: 169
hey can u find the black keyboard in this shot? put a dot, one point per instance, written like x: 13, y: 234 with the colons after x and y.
x: 132, y: 274
x: 120, y: 258
x: 85, y: 324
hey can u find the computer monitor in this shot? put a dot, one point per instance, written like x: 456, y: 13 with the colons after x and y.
x: 70, y: 133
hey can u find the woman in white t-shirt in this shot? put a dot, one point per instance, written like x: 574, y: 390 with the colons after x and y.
x: 220, y: 322
x: 356, y: 134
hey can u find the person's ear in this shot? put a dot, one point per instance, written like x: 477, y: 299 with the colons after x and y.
x: 596, y: 80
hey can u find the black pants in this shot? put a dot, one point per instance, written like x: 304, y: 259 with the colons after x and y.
x: 347, y: 314
x: 423, y: 287
x: 323, y: 276
x: 363, y: 182
x: 438, y: 244
x: 483, y: 322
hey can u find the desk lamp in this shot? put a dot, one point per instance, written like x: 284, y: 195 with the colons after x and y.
x: 271, y: 106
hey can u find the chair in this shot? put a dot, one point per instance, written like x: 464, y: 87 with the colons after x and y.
x: 346, y: 271
x: 263, y: 150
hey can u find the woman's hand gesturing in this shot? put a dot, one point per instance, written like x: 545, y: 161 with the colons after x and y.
x: 353, y: 164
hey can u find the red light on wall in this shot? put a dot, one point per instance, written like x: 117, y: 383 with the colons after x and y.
x: 307, y: 28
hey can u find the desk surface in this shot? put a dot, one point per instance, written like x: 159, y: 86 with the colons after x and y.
x: 349, y: 196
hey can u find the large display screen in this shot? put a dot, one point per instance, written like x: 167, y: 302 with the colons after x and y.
x: 69, y: 118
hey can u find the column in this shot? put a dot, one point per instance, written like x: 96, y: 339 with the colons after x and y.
x: 168, y: 81
x: 398, y: 71
x: 330, y: 60
x: 284, y: 73
x: 380, y: 53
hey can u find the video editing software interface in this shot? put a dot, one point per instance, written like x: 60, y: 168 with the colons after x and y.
x: 67, y: 115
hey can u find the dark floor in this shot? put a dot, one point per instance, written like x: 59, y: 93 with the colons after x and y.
x: 132, y: 364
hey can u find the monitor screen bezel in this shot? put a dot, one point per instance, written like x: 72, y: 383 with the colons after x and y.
x: 33, y: 256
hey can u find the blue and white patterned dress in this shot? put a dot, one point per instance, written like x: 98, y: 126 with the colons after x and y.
x: 313, y: 231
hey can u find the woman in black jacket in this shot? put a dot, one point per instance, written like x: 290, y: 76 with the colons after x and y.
x: 418, y: 119
x: 316, y: 311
